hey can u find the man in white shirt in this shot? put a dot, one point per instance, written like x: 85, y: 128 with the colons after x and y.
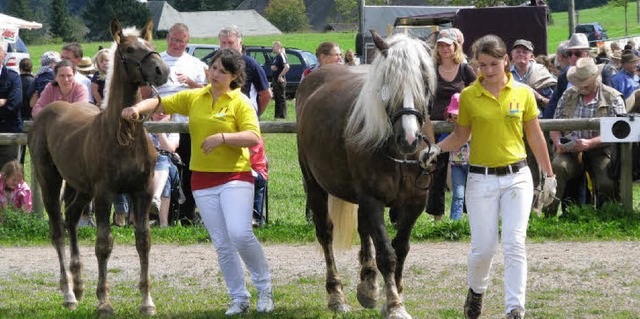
x: 186, y: 72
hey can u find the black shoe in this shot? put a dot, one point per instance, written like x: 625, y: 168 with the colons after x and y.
x: 473, y: 305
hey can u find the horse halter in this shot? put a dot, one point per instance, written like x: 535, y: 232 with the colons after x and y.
x: 124, y: 61
x: 421, y: 118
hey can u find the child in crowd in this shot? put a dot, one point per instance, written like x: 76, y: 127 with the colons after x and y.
x: 15, y: 191
x: 101, y: 61
x: 459, y: 160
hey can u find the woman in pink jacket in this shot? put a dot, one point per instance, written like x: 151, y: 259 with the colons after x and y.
x: 62, y: 88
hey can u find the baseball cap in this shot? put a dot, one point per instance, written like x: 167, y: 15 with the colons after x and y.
x: 522, y: 42
x: 447, y: 36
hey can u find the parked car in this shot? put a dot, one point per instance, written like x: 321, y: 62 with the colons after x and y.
x: 594, y: 31
x: 15, y: 53
x: 298, y: 60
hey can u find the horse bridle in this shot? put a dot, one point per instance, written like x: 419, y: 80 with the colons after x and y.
x: 421, y: 118
x: 138, y: 64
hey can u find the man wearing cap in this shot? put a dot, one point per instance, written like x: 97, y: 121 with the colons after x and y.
x: 525, y: 70
x: 626, y: 80
x: 578, y: 47
x: 581, y: 151
x: 612, y: 67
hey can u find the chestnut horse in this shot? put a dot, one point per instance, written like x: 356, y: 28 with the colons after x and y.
x: 360, y: 130
x: 99, y: 155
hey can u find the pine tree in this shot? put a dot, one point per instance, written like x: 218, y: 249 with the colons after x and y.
x: 99, y: 13
x: 60, y: 20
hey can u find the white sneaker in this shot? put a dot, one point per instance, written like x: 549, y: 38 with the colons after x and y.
x: 155, y: 206
x: 237, y: 308
x: 265, y: 301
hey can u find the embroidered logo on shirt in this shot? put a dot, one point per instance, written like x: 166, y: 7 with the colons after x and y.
x: 514, y: 109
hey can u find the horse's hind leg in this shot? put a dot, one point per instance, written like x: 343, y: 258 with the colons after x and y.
x: 104, y: 246
x: 141, y: 200
x: 317, y: 200
x: 73, y: 211
x: 50, y: 184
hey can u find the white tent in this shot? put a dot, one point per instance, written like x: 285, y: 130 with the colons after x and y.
x: 9, y: 21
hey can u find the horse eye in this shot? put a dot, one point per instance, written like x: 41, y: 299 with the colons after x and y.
x: 130, y: 50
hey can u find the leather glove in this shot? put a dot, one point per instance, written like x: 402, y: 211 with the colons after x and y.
x: 548, y: 193
x: 428, y: 155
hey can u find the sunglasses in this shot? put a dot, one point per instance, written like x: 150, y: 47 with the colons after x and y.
x: 575, y: 53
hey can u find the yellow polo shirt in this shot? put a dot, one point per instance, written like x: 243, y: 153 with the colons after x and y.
x: 230, y: 113
x: 496, y: 124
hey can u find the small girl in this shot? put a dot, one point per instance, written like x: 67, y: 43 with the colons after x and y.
x: 459, y: 160
x: 15, y: 191
x: 101, y: 61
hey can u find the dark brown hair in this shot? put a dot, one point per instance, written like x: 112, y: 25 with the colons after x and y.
x: 233, y: 63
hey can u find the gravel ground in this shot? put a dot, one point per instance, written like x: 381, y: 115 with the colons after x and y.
x: 571, y: 270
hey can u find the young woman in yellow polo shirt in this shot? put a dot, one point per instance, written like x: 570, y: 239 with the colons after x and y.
x: 499, y: 111
x: 222, y: 125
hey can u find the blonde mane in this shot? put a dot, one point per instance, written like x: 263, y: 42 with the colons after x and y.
x: 407, y: 68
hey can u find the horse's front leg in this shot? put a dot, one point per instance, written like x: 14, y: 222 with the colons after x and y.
x: 141, y: 201
x: 400, y: 243
x: 373, y: 210
x: 368, y: 286
x: 104, y: 247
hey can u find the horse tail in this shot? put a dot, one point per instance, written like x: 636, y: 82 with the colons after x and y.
x: 344, y: 216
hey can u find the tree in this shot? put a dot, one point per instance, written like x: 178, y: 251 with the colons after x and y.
x: 287, y: 15
x: 625, y: 5
x: 60, y: 21
x: 99, y: 13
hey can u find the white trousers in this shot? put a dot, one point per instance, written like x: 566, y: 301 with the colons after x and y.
x: 488, y: 198
x: 226, y: 212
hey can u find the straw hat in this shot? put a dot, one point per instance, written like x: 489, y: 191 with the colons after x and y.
x: 578, y: 41
x: 85, y: 65
x: 616, y: 55
x: 584, y: 72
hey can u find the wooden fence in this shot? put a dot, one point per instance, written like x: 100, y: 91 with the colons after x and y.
x: 626, y: 182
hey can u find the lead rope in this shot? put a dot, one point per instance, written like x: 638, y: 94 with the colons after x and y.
x: 125, y: 135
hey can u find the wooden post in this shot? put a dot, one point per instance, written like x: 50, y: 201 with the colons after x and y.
x: 571, y: 11
x: 626, y: 178
x: 36, y: 195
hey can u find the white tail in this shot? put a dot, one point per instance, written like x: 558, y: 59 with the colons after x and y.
x: 344, y: 216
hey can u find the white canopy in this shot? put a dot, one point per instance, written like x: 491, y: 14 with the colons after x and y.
x: 7, y: 21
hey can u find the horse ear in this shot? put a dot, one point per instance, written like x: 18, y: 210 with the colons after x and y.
x: 379, y: 42
x: 116, y: 30
x: 147, y: 32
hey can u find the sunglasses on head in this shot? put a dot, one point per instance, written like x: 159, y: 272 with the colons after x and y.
x: 575, y: 53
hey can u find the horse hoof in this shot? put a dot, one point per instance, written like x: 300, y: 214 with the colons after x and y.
x: 105, y: 310
x: 368, y: 298
x: 340, y: 308
x: 71, y: 305
x: 148, y: 310
x: 396, y: 313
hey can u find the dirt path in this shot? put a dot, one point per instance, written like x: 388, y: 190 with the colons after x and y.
x: 608, y: 269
